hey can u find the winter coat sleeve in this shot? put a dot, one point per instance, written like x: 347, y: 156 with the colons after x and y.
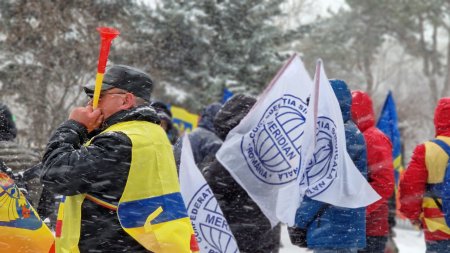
x: 356, y: 147
x: 177, y: 152
x: 307, y: 211
x: 380, y: 168
x: 70, y: 168
x: 208, y: 150
x: 413, y: 184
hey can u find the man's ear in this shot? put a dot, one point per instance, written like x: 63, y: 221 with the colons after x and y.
x: 129, y: 101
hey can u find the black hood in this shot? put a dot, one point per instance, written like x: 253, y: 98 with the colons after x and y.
x: 232, y: 112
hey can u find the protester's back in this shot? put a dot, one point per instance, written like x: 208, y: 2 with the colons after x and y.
x: 249, y: 225
x: 380, y: 170
x: 424, y: 183
x: 336, y: 227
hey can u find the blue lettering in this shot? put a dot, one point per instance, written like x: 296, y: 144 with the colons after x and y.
x: 288, y: 174
x: 197, y: 235
x: 256, y: 164
x: 216, y: 221
x: 289, y: 154
x: 281, y: 141
x: 322, y: 184
x: 272, y: 126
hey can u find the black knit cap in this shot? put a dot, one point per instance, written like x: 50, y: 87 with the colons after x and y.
x: 126, y: 78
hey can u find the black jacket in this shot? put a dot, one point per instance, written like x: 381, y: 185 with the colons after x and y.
x: 249, y: 225
x: 100, y: 169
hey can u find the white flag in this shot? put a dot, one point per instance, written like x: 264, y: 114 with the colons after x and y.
x: 331, y: 176
x: 265, y: 152
x: 210, y: 227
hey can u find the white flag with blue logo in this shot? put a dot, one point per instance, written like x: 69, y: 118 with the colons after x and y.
x: 266, y: 152
x: 210, y: 226
x: 331, y: 176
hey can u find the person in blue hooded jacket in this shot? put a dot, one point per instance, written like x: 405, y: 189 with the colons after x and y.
x: 204, y: 141
x: 331, y: 228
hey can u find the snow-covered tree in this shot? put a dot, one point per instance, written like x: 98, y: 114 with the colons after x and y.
x: 51, y: 50
x: 202, y: 45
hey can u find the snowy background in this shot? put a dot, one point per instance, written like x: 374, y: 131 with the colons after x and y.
x: 193, y: 50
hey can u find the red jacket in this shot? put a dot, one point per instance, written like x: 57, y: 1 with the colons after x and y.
x: 415, y: 179
x: 379, y: 164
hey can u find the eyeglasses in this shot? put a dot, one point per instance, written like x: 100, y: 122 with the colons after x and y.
x: 112, y: 93
x: 91, y: 96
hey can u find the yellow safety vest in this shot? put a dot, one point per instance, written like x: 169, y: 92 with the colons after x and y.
x: 436, y: 163
x: 151, y: 209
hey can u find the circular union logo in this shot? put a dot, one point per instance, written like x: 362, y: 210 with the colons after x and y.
x: 322, y: 169
x: 272, y: 148
x: 210, y: 227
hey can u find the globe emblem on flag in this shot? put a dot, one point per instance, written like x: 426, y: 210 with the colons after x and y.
x: 322, y: 167
x: 15, y: 211
x: 272, y: 148
x: 210, y: 226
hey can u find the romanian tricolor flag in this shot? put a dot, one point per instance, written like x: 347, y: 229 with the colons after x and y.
x: 388, y: 124
x: 21, y: 229
x: 183, y: 120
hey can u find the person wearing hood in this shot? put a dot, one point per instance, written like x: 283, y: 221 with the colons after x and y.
x: 115, y: 167
x: 165, y: 116
x: 247, y: 222
x: 379, y: 168
x: 331, y: 228
x: 420, y: 185
x: 204, y: 141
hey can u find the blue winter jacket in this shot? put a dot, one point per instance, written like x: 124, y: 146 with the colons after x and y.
x: 204, y: 141
x: 338, y: 227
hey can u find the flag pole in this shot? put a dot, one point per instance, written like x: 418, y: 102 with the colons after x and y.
x: 316, y: 92
x: 107, y: 34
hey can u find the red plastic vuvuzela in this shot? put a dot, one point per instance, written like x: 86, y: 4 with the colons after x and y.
x: 107, y: 34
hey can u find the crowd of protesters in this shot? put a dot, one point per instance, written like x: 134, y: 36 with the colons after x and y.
x: 103, y: 159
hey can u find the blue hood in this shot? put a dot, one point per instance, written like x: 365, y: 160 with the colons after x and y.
x: 344, y: 97
x: 207, y: 116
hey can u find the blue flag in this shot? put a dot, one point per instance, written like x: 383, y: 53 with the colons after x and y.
x: 388, y: 124
x: 227, y: 94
